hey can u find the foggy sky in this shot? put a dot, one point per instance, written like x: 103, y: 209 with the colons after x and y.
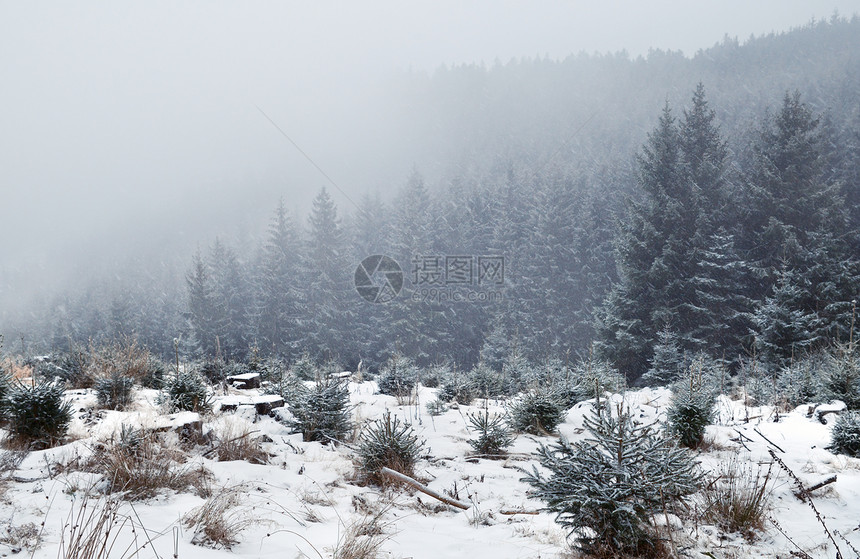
x: 127, y: 120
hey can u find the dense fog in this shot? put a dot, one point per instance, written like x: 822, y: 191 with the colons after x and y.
x: 134, y: 137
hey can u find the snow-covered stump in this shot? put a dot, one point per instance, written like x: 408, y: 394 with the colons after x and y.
x: 822, y: 411
x: 188, y: 425
x: 263, y: 405
x: 245, y: 380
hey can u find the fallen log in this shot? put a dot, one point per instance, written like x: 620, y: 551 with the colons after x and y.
x: 423, y: 488
x: 512, y: 512
x: 819, y: 485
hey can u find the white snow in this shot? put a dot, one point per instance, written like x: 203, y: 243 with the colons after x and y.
x: 304, y: 500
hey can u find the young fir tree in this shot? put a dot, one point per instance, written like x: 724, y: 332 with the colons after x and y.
x: 387, y: 443
x: 537, y: 411
x: 845, y: 438
x: 330, y: 301
x: 691, y: 409
x: 276, y: 287
x: 492, y: 436
x: 591, y: 378
x: 321, y: 412
x: 784, y: 327
x: 607, y: 488
x: 202, y: 318
x: 38, y: 415
x: 842, y: 375
x: 398, y: 377
x: 668, y: 363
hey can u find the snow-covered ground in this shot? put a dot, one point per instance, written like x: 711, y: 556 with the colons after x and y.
x: 304, y: 502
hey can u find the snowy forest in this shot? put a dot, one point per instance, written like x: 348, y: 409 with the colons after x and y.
x: 645, y: 209
x: 594, y: 307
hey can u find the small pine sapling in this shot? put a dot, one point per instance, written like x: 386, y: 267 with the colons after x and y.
x: 537, y: 412
x: 591, y: 378
x: 842, y: 376
x: 390, y: 443
x: 457, y: 390
x: 845, y: 438
x: 800, y: 382
x: 436, y: 407
x: 114, y: 392
x: 305, y: 368
x: 667, y: 365
x: 38, y: 415
x: 485, y: 381
x: 185, y: 391
x: 607, y: 488
x: 493, y: 436
x: 691, y: 410
x: 322, y: 412
x: 398, y: 377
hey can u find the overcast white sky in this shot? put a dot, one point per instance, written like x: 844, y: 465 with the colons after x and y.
x: 113, y: 111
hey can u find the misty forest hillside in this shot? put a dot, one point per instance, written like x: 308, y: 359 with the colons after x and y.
x: 644, y: 208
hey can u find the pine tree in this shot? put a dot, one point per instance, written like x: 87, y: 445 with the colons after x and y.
x: 230, y: 300
x: 492, y: 435
x: 398, y: 377
x: 387, y: 443
x: 613, y: 482
x: 321, y: 412
x: 842, y: 375
x: 784, y: 326
x: 418, y: 327
x: 328, y: 314
x: 796, y: 213
x: 706, y: 155
x: 202, y: 316
x: 275, y: 312
x: 691, y: 409
x: 845, y: 438
x: 495, y: 346
x: 668, y: 363
x: 38, y: 415
x: 656, y: 254
x: 723, y: 283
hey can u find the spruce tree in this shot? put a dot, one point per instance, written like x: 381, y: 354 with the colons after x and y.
x: 276, y: 300
x: 723, y: 284
x: 656, y: 253
x: 329, y: 304
x: 202, y: 316
x: 691, y: 409
x: 231, y: 298
x: 668, y: 363
x: 321, y: 412
x: 606, y: 488
x: 785, y: 326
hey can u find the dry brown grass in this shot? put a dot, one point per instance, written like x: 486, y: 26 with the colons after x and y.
x: 236, y: 440
x: 363, y: 537
x: 738, y: 498
x: 16, y: 369
x: 121, y: 357
x: 9, y: 462
x: 141, y: 464
x: 218, y: 522
x: 17, y: 538
x: 93, y: 528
